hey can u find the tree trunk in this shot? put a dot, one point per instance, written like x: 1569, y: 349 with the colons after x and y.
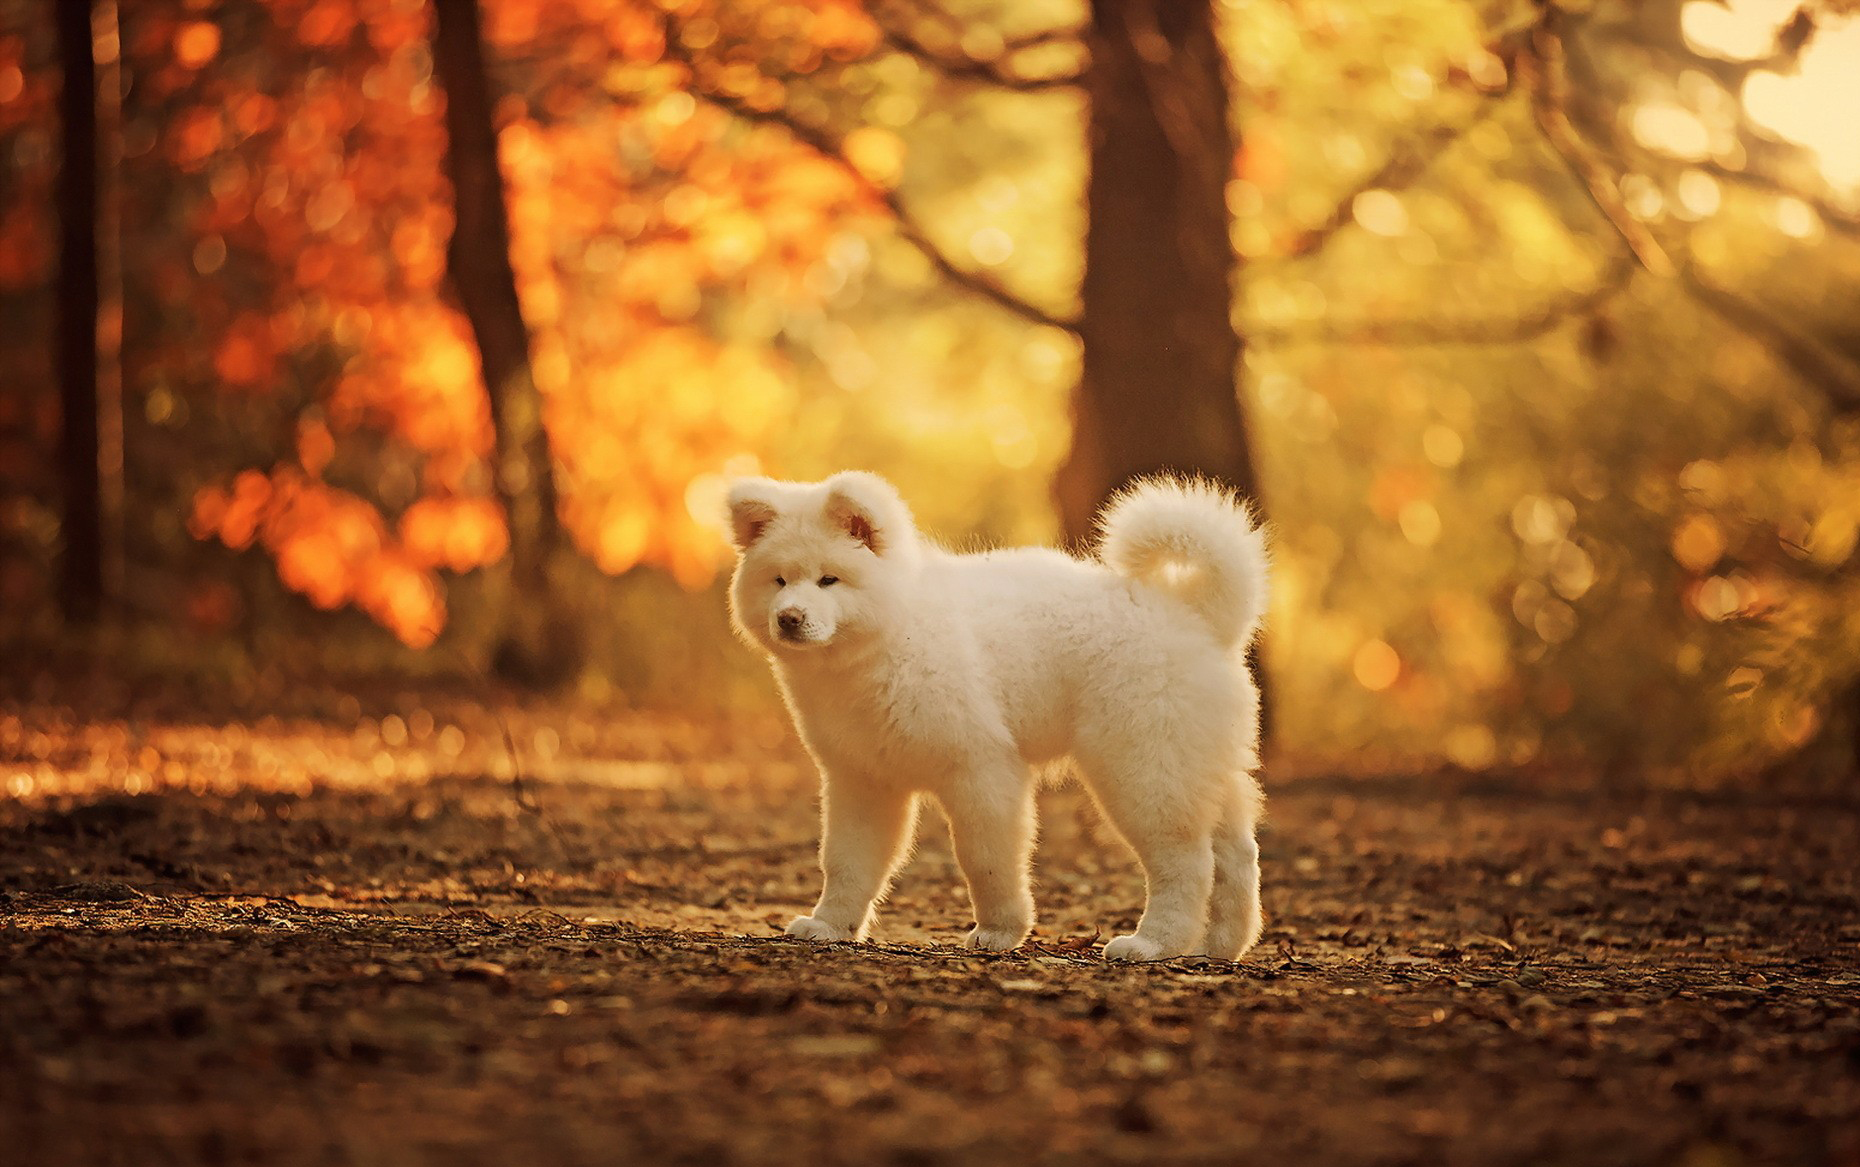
x: 81, y: 559
x: 1158, y: 390
x: 531, y: 648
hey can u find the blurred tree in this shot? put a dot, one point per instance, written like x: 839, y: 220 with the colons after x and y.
x: 1158, y: 389
x: 1584, y: 70
x: 31, y: 463
x: 81, y: 590
x: 534, y: 645
x: 1534, y: 207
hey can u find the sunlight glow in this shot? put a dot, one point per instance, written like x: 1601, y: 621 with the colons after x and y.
x: 1699, y: 195
x: 1796, y: 218
x: 1380, y: 211
x: 1734, y: 30
x: 1698, y: 543
x: 1376, y: 666
x: 1673, y: 130
x: 1443, y: 446
x: 1420, y: 523
x: 1472, y: 746
x: 991, y: 246
x: 1814, y: 105
x: 1542, y: 519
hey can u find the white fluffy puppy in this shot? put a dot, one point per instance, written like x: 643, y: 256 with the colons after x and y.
x: 912, y: 670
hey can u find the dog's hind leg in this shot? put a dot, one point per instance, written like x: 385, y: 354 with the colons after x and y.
x: 1169, y: 822
x: 1178, y: 873
x: 1234, y: 918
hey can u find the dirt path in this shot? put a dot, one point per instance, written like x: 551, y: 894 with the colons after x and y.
x: 341, y: 939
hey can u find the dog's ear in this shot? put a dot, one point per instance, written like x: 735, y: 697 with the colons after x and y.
x: 752, y: 509
x: 866, y: 507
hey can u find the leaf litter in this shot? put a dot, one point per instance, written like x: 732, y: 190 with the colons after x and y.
x: 305, y: 963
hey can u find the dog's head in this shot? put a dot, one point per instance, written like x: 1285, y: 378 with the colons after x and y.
x: 814, y: 559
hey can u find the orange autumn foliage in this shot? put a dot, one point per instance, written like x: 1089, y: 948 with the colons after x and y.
x: 637, y: 210
x: 329, y: 545
x: 246, y: 357
x: 196, y: 43
x: 454, y: 533
x: 331, y: 191
x: 27, y: 229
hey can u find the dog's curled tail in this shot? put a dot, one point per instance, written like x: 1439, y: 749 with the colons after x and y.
x: 1196, y: 541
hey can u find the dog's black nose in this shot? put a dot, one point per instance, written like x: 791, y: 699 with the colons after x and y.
x: 789, y: 621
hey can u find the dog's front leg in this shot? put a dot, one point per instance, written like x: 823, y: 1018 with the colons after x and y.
x: 991, y: 822
x: 866, y: 828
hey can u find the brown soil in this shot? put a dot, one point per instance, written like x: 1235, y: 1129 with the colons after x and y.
x: 345, y: 936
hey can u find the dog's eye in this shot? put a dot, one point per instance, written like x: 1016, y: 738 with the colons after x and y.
x: 827, y: 581
x: 780, y: 582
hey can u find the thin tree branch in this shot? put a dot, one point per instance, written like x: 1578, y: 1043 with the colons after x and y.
x: 1784, y: 55
x: 1010, y: 46
x: 1402, y: 169
x: 1587, y: 80
x: 1026, y: 42
x: 1546, y: 77
x: 1472, y: 332
x: 824, y: 142
x: 1834, y: 377
x: 1412, y: 159
x: 1834, y: 219
x: 997, y: 71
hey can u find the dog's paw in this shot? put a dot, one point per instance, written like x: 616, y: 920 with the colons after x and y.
x: 995, y: 939
x: 1224, y: 947
x: 1132, y: 947
x: 815, y: 928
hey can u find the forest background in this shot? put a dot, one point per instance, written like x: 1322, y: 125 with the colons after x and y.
x: 425, y: 337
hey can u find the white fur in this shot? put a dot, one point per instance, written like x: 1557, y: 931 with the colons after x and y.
x: 918, y: 671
